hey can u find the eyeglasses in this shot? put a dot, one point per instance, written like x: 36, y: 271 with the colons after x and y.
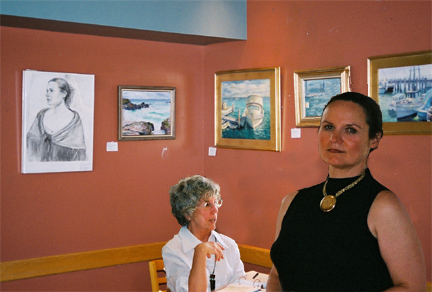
x: 209, y: 205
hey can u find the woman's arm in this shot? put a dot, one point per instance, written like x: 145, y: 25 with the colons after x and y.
x: 273, y: 283
x: 398, y: 242
x: 286, y: 202
x: 198, y: 281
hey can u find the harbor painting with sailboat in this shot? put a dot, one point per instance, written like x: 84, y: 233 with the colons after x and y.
x: 405, y: 93
x: 246, y: 109
x: 318, y: 92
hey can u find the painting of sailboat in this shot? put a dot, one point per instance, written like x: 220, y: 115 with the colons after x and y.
x: 405, y: 94
x: 401, y: 85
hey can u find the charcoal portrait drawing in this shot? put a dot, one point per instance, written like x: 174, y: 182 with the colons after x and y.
x: 54, y: 137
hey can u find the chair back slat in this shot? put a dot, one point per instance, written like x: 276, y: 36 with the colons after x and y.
x: 157, y: 276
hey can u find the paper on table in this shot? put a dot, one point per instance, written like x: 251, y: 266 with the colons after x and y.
x: 253, y: 281
x: 239, y: 288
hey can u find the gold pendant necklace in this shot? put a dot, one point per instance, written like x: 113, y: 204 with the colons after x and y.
x: 329, y: 202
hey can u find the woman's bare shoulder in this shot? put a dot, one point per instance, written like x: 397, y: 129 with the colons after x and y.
x: 387, y: 203
x: 388, y: 216
x: 286, y: 202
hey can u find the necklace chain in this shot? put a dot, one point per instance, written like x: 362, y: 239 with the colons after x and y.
x: 345, y: 188
x: 212, y: 275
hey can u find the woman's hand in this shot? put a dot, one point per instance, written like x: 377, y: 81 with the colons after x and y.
x: 198, y: 281
x: 209, y: 248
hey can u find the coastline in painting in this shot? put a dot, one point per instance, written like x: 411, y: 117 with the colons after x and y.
x: 147, y: 107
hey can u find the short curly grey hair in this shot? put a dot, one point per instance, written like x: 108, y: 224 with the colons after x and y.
x: 185, y: 195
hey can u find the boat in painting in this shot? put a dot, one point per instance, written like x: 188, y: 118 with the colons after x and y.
x: 226, y: 110
x: 392, y: 106
x: 422, y: 111
x: 225, y: 125
x: 385, y: 85
x: 254, y: 112
x: 406, y: 109
x: 429, y: 115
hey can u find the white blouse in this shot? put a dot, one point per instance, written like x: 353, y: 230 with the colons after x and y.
x: 178, y: 256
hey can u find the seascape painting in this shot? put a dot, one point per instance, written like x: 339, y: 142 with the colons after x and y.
x: 405, y: 93
x: 246, y: 109
x: 57, y: 122
x: 318, y: 92
x: 313, y: 88
x: 146, y: 113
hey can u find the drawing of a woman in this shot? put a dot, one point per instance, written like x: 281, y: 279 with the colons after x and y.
x: 57, y: 132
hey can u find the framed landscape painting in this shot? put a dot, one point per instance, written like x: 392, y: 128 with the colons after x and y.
x: 314, y: 88
x: 402, y: 86
x: 146, y: 113
x: 247, y: 109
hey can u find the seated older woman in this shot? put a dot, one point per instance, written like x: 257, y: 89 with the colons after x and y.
x: 198, y: 258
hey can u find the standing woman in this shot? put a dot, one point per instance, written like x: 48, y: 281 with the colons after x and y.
x: 349, y: 233
x: 57, y: 133
x: 199, y: 259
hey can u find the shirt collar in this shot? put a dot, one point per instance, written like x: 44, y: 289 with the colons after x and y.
x: 189, y: 241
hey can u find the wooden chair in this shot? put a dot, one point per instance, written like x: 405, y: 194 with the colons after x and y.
x: 255, y: 255
x: 157, y: 276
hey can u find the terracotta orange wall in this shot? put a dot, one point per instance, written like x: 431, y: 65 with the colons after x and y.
x: 298, y: 35
x: 124, y: 201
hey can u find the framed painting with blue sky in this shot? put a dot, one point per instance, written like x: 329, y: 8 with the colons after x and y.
x: 247, y: 109
x: 146, y: 113
x: 314, y: 88
x: 402, y: 85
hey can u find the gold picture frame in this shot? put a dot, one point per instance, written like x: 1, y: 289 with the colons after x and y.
x: 314, y: 88
x: 247, y: 109
x: 403, y: 96
x: 146, y: 113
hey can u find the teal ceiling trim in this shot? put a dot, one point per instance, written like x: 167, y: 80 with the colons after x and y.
x: 210, y: 18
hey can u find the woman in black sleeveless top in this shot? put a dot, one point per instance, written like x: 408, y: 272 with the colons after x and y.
x: 365, y: 242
